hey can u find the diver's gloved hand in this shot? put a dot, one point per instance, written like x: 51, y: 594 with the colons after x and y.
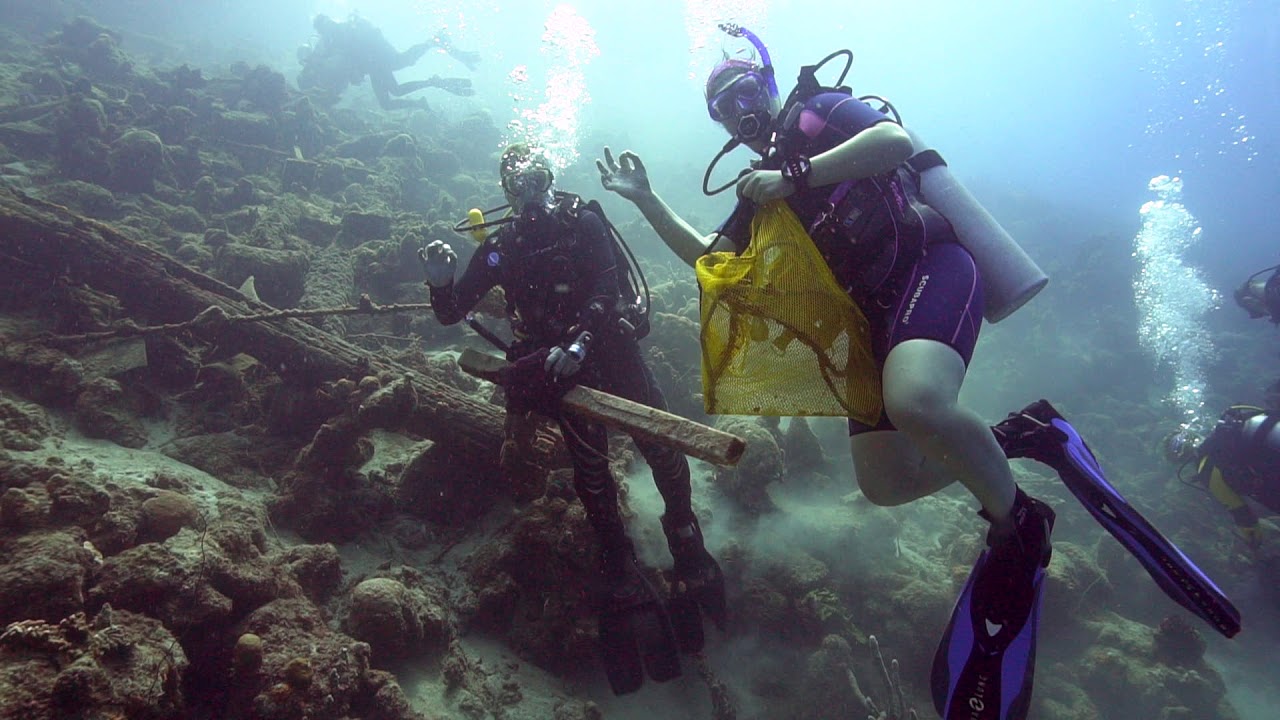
x: 455, y: 86
x: 438, y: 262
x: 626, y: 176
x: 765, y: 185
x: 562, y: 363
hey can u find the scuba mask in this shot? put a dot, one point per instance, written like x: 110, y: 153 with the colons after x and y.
x: 529, y: 182
x: 526, y: 177
x: 747, y: 100
x: 529, y: 190
x: 748, y: 97
x: 746, y: 92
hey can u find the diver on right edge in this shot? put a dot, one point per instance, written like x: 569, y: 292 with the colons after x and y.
x: 924, y: 262
x: 1261, y: 297
x: 1239, y: 461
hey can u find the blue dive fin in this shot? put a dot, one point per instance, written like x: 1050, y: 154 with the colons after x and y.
x: 1039, y: 432
x: 983, y: 670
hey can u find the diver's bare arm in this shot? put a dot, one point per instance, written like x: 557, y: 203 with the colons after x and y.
x: 878, y: 149
x: 686, y: 242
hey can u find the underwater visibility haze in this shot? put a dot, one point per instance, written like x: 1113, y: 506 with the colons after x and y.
x: 249, y: 470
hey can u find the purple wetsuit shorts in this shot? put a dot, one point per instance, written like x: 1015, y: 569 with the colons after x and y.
x: 941, y: 300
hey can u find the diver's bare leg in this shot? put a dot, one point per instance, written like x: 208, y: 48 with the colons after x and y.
x: 922, y: 380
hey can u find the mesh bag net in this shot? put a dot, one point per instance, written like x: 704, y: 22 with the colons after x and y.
x: 779, y: 335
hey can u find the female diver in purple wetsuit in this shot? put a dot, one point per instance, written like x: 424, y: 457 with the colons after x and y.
x: 900, y: 261
x: 852, y: 177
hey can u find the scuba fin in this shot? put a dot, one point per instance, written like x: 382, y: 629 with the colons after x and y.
x: 453, y: 86
x: 1039, y: 432
x: 696, y: 585
x: 690, y: 602
x: 983, y: 669
x: 636, y: 636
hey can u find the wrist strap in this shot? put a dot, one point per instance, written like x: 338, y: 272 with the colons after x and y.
x: 796, y: 169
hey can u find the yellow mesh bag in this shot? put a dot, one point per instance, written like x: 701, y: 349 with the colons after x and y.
x: 779, y: 335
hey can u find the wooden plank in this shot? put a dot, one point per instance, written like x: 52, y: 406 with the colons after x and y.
x: 691, y: 438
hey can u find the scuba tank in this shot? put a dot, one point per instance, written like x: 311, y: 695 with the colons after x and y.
x: 1010, y: 277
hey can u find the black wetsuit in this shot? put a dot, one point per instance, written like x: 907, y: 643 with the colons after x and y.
x: 1241, y: 459
x: 560, y: 275
x: 348, y: 51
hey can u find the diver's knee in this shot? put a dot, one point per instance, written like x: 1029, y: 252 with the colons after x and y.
x: 917, y: 405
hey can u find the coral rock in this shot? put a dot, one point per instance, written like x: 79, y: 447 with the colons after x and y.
x: 385, y: 614
x: 165, y: 514
x: 43, y: 576
x: 246, y: 656
x: 102, y: 413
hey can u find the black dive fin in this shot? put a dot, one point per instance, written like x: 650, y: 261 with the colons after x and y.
x: 983, y: 670
x: 618, y: 649
x: 690, y: 602
x: 686, y: 621
x: 636, y: 637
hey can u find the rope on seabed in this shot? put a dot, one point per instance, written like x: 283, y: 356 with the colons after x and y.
x: 215, y: 317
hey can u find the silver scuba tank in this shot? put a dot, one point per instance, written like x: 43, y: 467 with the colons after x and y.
x: 1009, y: 276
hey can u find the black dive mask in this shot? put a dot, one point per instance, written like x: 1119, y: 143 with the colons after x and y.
x: 1257, y: 294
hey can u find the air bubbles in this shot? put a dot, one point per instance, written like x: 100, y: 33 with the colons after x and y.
x: 1172, y: 297
x: 1188, y: 56
x: 553, y: 126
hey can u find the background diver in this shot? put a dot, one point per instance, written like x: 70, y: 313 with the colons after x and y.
x: 345, y: 52
x: 1238, y: 462
x: 560, y: 270
x: 1259, y: 296
x: 851, y: 174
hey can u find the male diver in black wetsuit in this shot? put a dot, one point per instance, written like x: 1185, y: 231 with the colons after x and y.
x: 559, y: 267
x: 345, y: 52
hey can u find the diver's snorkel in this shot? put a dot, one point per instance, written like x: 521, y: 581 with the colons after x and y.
x: 750, y: 126
x: 766, y: 69
x: 754, y: 125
